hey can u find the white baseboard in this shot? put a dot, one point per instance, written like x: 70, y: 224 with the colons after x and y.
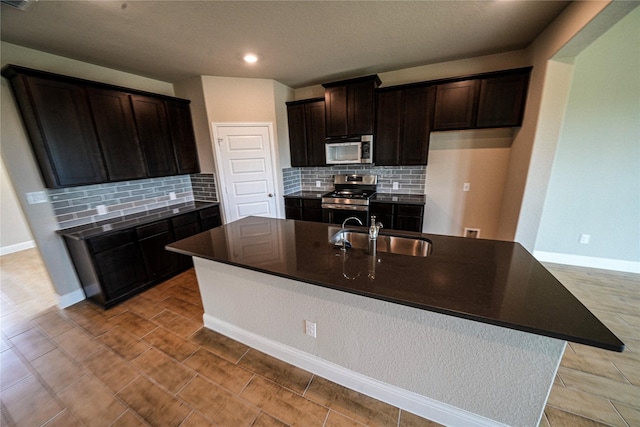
x: 411, y: 402
x: 71, y: 298
x: 6, y: 250
x: 585, y: 261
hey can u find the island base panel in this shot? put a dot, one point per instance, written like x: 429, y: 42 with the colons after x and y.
x: 444, y: 368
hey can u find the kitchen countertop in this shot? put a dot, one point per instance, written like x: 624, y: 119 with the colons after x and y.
x: 413, y: 199
x: 409, y: 199
x: 488, y: 281
x: 111, y: 225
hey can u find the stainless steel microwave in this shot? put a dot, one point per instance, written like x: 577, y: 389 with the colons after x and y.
x: 349, y: 150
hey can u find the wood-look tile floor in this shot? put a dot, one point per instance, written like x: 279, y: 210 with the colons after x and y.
x: 149, y: 361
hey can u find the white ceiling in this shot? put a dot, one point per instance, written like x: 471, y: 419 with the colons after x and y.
x: 299, y: 43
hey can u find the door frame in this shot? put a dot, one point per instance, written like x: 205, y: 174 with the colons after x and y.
x: 221, y: 179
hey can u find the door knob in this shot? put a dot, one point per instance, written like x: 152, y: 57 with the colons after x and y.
x: 270, y: 194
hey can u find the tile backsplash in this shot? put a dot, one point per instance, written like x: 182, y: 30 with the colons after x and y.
x: 204, y: 187
x: 75, y: 206
x: 410, y: 179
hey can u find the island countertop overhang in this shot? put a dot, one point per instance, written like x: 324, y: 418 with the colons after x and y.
x: 488, y: 281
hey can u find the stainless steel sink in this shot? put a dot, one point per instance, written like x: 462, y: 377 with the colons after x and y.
x: 385, y: 243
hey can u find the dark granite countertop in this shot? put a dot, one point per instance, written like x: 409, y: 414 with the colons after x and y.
x: 111, y: 225
x: 409, y: 199
x: 307, y: 194
x: 412, y: 199
x: 488, y: 281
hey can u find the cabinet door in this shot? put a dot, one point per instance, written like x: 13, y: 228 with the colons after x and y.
x: 417, y: 106
x: 152, y: 239
x: 293, y: 208
x: 409, y: 217
x: 383, y: 213
x: 312, y: 210
x: 455, y: 105
x: 336, y: 111
x: 297, y: 134
x: 118, y: 264
x: 210, y: 218
x: 360, y: 107
x: 59, y: 123
x: 388, y: 127
x: 116, y: 130
x: 154, y: 135
x: 182, y: 137
x: 502, y: 100
x: 315, y: 129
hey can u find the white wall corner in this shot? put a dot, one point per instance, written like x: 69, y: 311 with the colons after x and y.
x: 71, y: 298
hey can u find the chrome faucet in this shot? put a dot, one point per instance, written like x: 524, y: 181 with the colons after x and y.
x: 344, y: 248
x: 374, y: 228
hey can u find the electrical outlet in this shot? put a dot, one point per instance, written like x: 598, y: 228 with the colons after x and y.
x: 101, y: 209
x: 35, y: 197
x: 310, y: 328
x: 318, y: 184
x: 466, y: 186
x: 172, y: 195
x: 472, y: 233
x: 585, y: 239
x: 395, y: 185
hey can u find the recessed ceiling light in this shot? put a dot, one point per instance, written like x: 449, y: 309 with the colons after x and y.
x: 250, y: 58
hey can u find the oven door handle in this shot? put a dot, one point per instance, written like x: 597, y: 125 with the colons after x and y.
x: 345, y: 207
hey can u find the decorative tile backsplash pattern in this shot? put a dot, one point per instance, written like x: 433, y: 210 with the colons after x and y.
x: 291, y: 180
x: 75, y: 206
x: 204, y: 187
x: 410, y: 179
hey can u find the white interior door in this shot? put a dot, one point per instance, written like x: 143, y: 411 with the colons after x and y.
x: 244, y: 159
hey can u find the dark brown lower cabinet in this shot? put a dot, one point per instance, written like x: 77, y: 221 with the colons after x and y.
x: 115, y: 266
x: 304, y: 209
x: 152, y: 239
x: 399, y: 216
x: 119, y: 265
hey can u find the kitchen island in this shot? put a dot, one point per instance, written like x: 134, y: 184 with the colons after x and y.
x: 470, y: 335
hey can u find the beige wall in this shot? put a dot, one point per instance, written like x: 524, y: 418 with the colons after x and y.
x: 479, y: 158
x: 21, y: 165
x: 14, y: 231
x: 534, y: 147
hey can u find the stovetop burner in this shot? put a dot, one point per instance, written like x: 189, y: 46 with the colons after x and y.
x: 350, y: 190
x: 351, y: 194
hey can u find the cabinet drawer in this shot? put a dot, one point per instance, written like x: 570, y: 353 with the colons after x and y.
x: 312, y: 203
x: 409, y: 210
x: 209, y: 212
x: 381, y: 208
x: 99, y: 244
x: 292, y: 203
x: 152, y: 229
x: 185, y: 219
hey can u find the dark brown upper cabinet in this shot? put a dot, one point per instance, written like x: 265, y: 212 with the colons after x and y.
x: 403, y: 123
x: 116, y: 130
x: 57, y: 118
x: 502, y: 99
x: 183, y: 137
x: 485, y: 101
x: 84, y: 132
x: 455, y: 105
x: 350, y: 106
x: 306, y: 132
x: 152, y: 123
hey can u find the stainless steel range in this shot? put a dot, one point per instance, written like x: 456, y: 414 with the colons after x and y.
x: 350, y: 197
